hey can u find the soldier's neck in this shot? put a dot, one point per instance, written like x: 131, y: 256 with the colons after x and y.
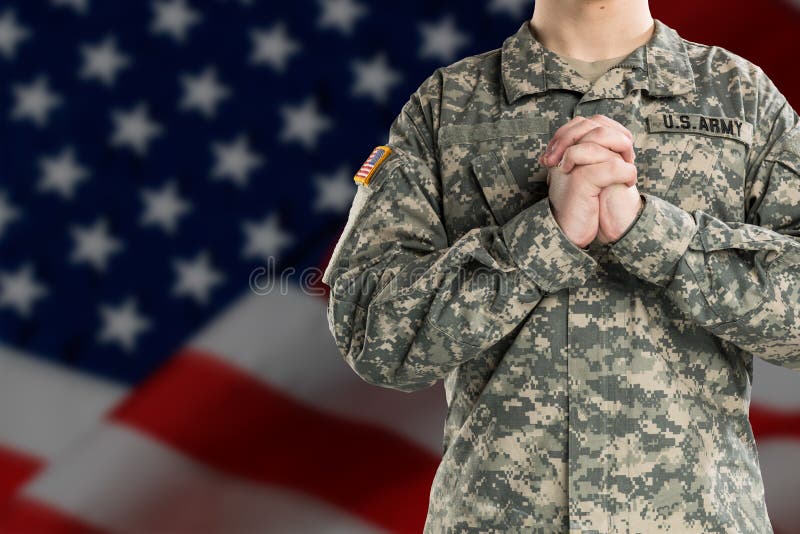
x: 592, y: 29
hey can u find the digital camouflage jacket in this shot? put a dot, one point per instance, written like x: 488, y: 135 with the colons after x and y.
x: 590, y: 390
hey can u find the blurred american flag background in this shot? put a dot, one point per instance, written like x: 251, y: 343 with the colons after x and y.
x: 161, y: 163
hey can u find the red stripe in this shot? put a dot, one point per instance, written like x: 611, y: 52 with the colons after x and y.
x: 223, y: 417
x: 26, y: 516
x: 771, y: 423
x: 15, y: 469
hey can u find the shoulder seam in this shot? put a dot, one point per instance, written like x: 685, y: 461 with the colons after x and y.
x: 687, y: 41
x: 473, y: 57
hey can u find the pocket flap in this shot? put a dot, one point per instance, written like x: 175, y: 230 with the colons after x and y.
x: 450, y: 134
x: 502, y: 192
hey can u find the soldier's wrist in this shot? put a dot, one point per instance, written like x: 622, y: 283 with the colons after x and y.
x: 642, y: 201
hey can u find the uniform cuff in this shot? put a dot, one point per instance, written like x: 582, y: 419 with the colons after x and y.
x: 656, y: 241
x: 542, y: 250
x: 635, y: 219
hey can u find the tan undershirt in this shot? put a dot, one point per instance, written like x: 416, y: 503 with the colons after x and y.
x: 592, y: 70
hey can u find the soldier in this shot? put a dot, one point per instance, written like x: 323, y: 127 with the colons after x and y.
x: 593, y: 315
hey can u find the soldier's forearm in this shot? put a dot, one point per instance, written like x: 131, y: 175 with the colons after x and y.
x: 404, y: 322
x: 740, y: 281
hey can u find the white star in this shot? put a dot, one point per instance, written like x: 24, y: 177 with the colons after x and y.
x: 235, y: 161
x: 303, y: 123
x: 94, y: 245
x: 134, y: 129
x: 61, y: 174
x: 11, y: 34
x: 122, y: 324
x: 196, y: 278
x: 203, y: 92
x: 340, y: 14
x: 513, y: 8
x: 265, y: 239
x: 335, y: 192
x: 273, y: 47
x: 79, y: 6
x: 163, y: 208
x: 34, y: 101
x: 174, y: 18
x: 20, y: 290
x: 374, y: 78
x: 103, y: 61
x: 8, y: 213
x: 442, y: 40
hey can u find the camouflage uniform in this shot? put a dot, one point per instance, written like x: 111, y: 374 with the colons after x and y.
x: 594, y: 390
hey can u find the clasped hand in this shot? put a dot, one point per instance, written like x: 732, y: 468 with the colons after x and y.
x: 592, y: 179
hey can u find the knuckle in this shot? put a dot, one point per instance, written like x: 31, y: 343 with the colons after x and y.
x: 610, y: 167
x: 627, y: 140
x: 583, y: 136
x: 598, y: 130
x: 598, y: 149
x: 594, y: 124
x: 569, y: 153
x: 627, y: 169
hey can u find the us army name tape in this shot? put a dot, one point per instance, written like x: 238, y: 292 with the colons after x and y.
x: 729, y: 127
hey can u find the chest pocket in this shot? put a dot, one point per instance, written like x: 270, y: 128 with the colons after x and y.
x: 697, y: 162
x: 498, y: 161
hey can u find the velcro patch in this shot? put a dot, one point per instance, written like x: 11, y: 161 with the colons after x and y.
x: 729, y: 127
x: 371, y: 165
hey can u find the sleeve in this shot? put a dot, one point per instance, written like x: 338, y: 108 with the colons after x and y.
x: 739, y: 280
x: 406, y: 306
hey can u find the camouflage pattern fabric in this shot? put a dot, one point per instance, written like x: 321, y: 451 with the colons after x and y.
x: 593, y: 390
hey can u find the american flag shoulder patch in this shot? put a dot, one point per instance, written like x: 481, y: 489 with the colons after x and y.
x: 371, y: 165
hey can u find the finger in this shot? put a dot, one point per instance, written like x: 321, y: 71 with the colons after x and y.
x: 606, y: 173
x: 585, y: 153
x: 569, y: 130
x: 567, y: 135
x: 556, y: 134
x: 618, y: 126
x: 608, y: 121
x: 570, y: 123
x: 612, y: 139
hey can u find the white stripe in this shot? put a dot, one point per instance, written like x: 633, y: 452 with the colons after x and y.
x: 779, y: 459
x: 45, y: 407
x: 122, y: 481
x: 284, y: 340
x: 775, y: 386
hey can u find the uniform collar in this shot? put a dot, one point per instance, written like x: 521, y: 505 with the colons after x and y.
x: 661, y: 66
